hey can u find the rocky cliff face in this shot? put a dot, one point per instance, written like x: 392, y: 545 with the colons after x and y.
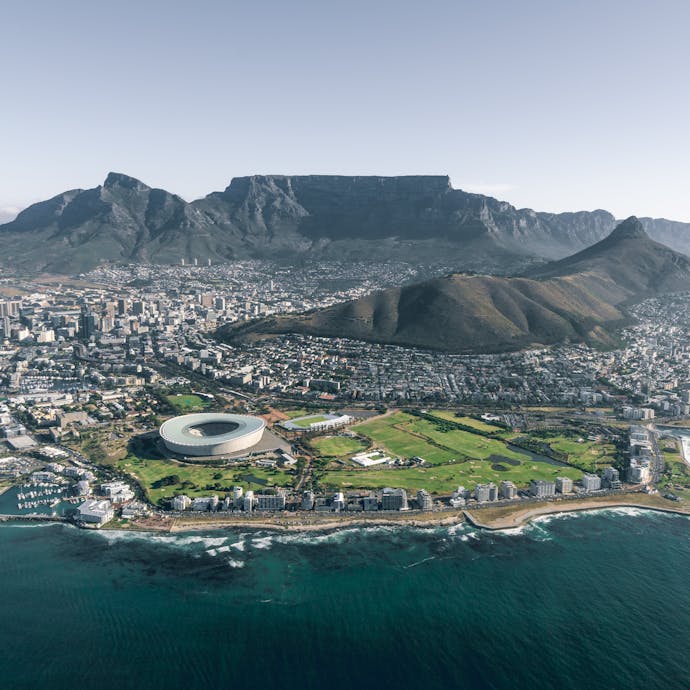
x: 331, y: 208
x: 411, y: 218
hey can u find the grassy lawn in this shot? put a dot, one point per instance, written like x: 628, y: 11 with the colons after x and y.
x: 676, y: 470
x: 336, y: 446
x: 405, y: 435
x: 185, y: 403
x: 588, y: 454
x: 195, y: 480
x: 307, y: 421
x: 467, y: 421
x: 454, y: 456
x: 293, y: 414
x: 442, y: 479
x: 399, y: 442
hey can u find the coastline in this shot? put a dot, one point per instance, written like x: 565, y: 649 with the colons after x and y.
x: 511, y: 517
x: 497, y: 518
x: 328, y: 524
x: 490, y: 518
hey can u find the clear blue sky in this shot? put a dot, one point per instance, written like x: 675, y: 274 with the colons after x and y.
x: 549, y: 104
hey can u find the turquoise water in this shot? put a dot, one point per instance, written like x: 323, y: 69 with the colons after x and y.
x: 588, y: 601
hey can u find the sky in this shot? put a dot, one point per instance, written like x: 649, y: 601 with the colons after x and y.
x: 551, y: 105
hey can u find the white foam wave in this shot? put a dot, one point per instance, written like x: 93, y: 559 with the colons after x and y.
x: 235, y: 564
x: 335, y: 536
x: 515, y: 531
x: 262, y: 542
x: 172, y: 540
x: 208, y: 542
x: 416, y: 563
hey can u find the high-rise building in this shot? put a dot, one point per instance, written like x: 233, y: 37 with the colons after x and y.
x: 181, y: 502
x: 424, y: 500
x: 87, y: 325
x: 507, y: 489
x: 271, y: 501
x: 591, y: 482
x: 485, y: 492
x: 338, y: 501
x: 612, y: 479
x: 564, y: 485
x: 10, y: 307
x: 308, y: 500
x: 237, y: 499
x: 541, y: 488
x: 370, y: 503
x: 394, y: 499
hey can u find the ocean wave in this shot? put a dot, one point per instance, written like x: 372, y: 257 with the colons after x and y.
x: 235, y: 563
x: 616, y: 511
x: 416, y: 563
x: 171, y: 540
x: 262, y: 542
x: 518, y: 531
x: 336, y: 536
x: 461, y: 527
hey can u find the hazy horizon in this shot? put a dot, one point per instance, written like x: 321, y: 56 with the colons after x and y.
x: 550, y: 107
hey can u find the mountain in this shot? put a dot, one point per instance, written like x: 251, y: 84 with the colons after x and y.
x: 121, y: 220
x: 581, y: 298
x: 411, y: 218
x: 669, y: 232
x: 628, y: 262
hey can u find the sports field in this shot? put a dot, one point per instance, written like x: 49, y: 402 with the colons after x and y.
x: 306, y: 422
x: 336, y: 446
x: 187, y: 402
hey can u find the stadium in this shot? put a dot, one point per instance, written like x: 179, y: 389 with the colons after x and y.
x: 209, y: 434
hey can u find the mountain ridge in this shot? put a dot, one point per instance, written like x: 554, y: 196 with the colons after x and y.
x: 580, y: 298
x: 419, y: 218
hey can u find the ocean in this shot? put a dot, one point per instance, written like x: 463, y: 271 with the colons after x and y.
x: 596, y: 600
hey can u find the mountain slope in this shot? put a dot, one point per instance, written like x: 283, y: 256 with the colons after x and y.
x: 630, y: 259
x: 579, y: 298
x: 121, y: 220
x: 410, y: 218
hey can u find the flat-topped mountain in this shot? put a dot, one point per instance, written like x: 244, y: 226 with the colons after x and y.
x: 580, y: 298
x: 411, y: 218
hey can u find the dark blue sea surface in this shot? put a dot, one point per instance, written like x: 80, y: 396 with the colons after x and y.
x: 598, y: 600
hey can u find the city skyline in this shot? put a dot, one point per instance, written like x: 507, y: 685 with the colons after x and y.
x: 547, y: 108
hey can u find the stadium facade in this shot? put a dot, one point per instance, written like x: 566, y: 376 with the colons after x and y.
x: 207, y: 434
